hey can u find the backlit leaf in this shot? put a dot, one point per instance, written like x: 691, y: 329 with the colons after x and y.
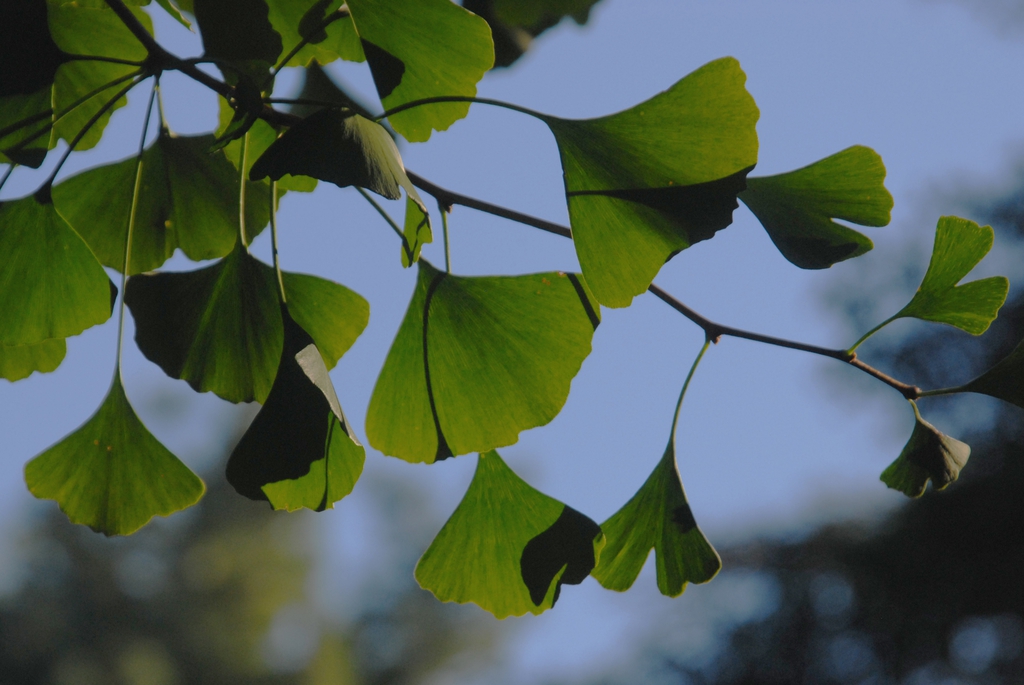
x: 188, y: 200
x: 299, y: 451
x: 295, y: 19
x: 508, y: 547
x: 417, y: 232
x: 657, y: 517
x: 798, y: 208
x: 261, y: 135
x: 112, y: 474
x: 51, y: 285
x: 928, y: 455
x: 1005, y: 380
x: 419, y: 49
x: 477, y: 360
x: 959, y: 245
x: 25, y: 125
x: 219, y: 328
x: 648, y: 182
x: 20, y: 361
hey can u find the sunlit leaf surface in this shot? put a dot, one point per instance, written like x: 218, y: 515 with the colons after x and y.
x: 20, y: 361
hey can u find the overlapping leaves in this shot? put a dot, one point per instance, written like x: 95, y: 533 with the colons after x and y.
x: 477, y: 360
x: 648, y: 182
x: 508, y: 547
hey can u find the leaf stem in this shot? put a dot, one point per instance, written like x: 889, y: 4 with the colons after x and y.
x: 686, y: 384
x: 7, y: 175
x: 942, y: 391
x: 243, y: 162
x: 101, y: 58
x: 459, y: 98
x: 334, y: 16
x: 444, y: 230
x: 871, y: 333
x: 131, y: 222
x: 387, y: 218
x: 273, y: 240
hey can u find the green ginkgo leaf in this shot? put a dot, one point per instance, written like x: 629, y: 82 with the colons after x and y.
x: 261, y: 135
x: 508, y: 547
x: 657, y: 517
x: 188, y: 199
x: 477, y: 360
x: 51, y: 285
x: 959, y: 245
x: 416, y: 230
x: 420, y: 49
x: 648, y: 182
x: 299, y: 451
x: 25, y: 124
x: 20, y: 361
x: 928, y: 455
x: 112, y: 474
x: 238, y: 32
x: 342, y: 148
x: 1004, y: 381
x: 219, y: 328
x: 94, y: 31
x: 176, y: 11
x: 798, y: 208
x: 298, y: 19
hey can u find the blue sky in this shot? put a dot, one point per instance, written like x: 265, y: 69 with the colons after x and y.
x: 767, y: 436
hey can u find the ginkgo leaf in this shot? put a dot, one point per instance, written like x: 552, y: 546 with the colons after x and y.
x: 112, y: 474
x: 299, y: 451
x: 959, y: 245
x: 94, y: 31
x: 477, y: 360
x: 648, y: 182
x: 298, y: 19
x: 51, y: 285
x: 657, y: 517
x: 25, y: 124
x: 20, y: 361
x: 175, y: 11
x: 342, y: 148
x: 928, y: 455
x: 238, y: 32
x: 419, y: 49
x: 219, y: 328
x: 798, y: 208
x: 188, y: 199
x: 261, y: 135
x: 508, y: 547
x: 1004, y: 381
x: 416, y: 230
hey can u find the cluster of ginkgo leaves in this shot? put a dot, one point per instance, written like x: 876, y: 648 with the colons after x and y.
x: 476, y: 360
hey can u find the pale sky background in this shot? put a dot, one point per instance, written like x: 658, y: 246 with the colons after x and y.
x: 768, y: 438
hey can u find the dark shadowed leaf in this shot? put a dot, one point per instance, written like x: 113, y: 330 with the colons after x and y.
x: 657, y: 517
x: 797, y: 208
x: 238, y: 32
x: 299, y: 451
x: 477, y: 360
x: 90, y: 31
x: 20, y: 361
x: 296, y: 19
x: 1005, y: 380
x: 959, y: 245
x: 51, y: 285
x: 188, y: 200
x: 247, y: 105
x: 416, y: 230
x: 648, y: 182
x: 508, y: 547
x: 342, y: 148
x: 25, y: 125
x: 928, y: 455
x: 219, y: 328
x: 261, y: 135
x: 419, y: 49
x: 28, y: 53
x: 112, y: 474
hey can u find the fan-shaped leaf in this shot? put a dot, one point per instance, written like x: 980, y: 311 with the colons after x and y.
x: 20, y: 361
x: 648, y: 182
x: 797, y: 208
x: 298, y: 19
x: 959, y: 245
x: 112, y: 474
x: 477, y: 360
x: 1005, y: 380
x: 94, y: 31
x: 299, y: 451
x: 219, y: 328
x: 51, y: 285
x: 188, y: 199
x: 238, y: 32
x: 928, y: 455
x: 659, y: 517
x: 508, y: 547
x: 420, y: 49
